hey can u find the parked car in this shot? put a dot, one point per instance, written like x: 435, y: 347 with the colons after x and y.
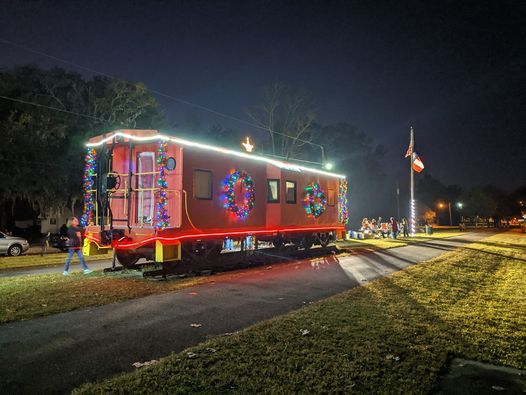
x: 56, y: 240
x: 11, y: 245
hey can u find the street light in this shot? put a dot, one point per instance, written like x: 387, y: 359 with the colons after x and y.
x: 460, y: 205
x: 328, y: 166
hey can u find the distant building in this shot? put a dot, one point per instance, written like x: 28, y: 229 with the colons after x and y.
x: 53, y: 219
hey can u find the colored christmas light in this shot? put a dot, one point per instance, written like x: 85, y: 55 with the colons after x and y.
x: 90, y: 170
x: 315, y: 201
x: 343, y: 209
x: 241, y: 211
x: 162, y: 219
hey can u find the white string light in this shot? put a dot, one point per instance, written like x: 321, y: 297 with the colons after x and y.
x: 177, y: 140
x: 412, y: 219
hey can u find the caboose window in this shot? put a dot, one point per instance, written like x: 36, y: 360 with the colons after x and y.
x: 290, y: 191
x: 202, y: 184
x: 331, y: 201
x: 272, y: 191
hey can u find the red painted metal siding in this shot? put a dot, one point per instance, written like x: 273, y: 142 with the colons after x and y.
x: 295, y: 214
x: 202, y: 215
x: 211, y: 214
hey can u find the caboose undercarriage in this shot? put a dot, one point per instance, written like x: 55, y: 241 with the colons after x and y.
x: 206, y: 251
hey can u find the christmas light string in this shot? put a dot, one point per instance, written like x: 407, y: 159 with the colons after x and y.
x: 343, y: 209
x: 315, y: 201
x: 90, y: 170
x: 240, y: 211
x: 162, y: 219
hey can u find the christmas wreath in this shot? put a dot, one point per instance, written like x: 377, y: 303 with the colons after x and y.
x: 315, y: 201
x: 242, y: 210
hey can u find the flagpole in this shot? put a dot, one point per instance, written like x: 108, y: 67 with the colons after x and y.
x: 412, y: 220
x: 397, y: 200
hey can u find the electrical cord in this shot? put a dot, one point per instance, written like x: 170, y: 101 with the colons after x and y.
x: 159, y: 93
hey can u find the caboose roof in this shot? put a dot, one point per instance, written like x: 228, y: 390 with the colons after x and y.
x: 152, y: 135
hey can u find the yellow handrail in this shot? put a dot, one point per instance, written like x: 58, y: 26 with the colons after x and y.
x: 186, y: 210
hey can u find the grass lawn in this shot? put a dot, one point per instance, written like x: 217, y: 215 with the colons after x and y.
x: 52, y: 259
x: 26, y: 297
x: 12, y: 262
x: 392, y: 335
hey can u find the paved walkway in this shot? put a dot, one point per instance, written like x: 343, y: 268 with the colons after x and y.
x: 74, y: 267
x: 59, y: 352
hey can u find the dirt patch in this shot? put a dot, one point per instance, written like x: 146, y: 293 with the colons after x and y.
x: 471, y: 377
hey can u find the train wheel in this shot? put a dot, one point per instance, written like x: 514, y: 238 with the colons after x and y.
x: 307, y: 242
x: 203, y: 252
x: 298, y: 242
x: 324, y: 239
x: 278, y: 242
x: 127, y: 259
x: 213, y: 250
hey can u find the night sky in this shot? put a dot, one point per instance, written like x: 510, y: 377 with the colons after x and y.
x: 455, y: 70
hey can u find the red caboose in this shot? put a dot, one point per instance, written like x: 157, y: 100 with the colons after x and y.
x: 158, y: 196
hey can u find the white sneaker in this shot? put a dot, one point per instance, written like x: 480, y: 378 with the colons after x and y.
x: 87, y: 271
x: 65, y: 273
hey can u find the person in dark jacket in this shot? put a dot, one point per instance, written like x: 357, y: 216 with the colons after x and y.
x: 75, y: 246
x: 63, y: 230
x: 44, y: 243
x: 394, y: 227
x: 405, y: 227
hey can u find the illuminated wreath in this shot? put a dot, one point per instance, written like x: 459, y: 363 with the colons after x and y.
x: 315, y: 201
x: 241, y: 211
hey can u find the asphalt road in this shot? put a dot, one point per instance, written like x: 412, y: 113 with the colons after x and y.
x: 59, y: 352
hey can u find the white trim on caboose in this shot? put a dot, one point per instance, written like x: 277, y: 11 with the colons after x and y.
x: 259, y: 158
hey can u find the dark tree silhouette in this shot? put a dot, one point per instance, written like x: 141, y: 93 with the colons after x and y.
x: 42, y: 149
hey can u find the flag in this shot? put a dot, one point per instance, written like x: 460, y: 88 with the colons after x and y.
x: 409, y: 149
x: 411, y: 146
x: 418, y: 165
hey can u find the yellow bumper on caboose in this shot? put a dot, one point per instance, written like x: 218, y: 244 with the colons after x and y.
x: 90, y: 248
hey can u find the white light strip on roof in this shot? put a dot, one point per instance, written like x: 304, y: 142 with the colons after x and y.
x: 280, y: 164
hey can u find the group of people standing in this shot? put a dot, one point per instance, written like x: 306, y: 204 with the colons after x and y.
x: 391, y: 228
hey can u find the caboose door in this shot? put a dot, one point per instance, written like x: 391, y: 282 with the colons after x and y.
x: 146, y: 188
x: 135, y: 203
x: 148, y: 183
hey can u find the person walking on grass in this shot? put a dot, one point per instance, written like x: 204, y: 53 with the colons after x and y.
x: 74, y: 244
x: 405, y: 227
x: 44, y: 243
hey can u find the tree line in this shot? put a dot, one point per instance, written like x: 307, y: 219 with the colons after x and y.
x: 43, y: 145
x: 482, y: 201
x: 47, y: 115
